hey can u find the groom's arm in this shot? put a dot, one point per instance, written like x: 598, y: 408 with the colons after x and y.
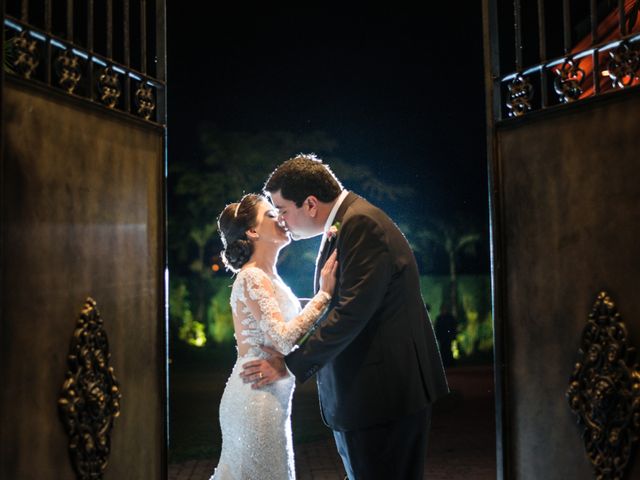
x: 365, y: 265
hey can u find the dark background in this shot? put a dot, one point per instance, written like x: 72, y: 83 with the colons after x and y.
x: 398, y: 90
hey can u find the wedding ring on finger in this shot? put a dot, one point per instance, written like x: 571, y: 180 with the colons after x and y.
x: 260, y: 375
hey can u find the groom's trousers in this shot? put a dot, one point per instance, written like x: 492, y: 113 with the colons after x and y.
x: 389, y: 451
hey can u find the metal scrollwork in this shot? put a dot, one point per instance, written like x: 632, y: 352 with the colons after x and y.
x: 26, y: 54
x: 623, y: 65
x: 109, y: 87
x: 69, y: 72
x: 568, y: 83
x: 145, y: 101
x: 604, y: 391
x: 520, y: 95
x: 90, y: 398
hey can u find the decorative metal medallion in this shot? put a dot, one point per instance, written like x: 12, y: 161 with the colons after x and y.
x: 68, y: 69
x: 90, y: 397
x: 145, y: 102
x: 109, y: 87
x: 604, y: 391
x: 26, y: 54
x: 520, y: 95
x: 568, y: 83
x: 623, y: 65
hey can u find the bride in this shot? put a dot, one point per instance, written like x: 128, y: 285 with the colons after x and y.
x: 255, y: 423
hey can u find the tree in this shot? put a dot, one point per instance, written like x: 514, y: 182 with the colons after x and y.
x: 454, y: 239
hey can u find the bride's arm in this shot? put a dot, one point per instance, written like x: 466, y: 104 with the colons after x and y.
x: 261, y: 301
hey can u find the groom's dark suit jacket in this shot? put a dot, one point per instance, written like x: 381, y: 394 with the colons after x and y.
x: 375, y: 353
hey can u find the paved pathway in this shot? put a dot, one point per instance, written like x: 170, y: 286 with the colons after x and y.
x: 461, y: 443
x: 314, y: 461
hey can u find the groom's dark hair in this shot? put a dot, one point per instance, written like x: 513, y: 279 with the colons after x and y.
x: 301, y: 176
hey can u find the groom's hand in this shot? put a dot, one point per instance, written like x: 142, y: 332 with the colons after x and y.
x: 264, y: 372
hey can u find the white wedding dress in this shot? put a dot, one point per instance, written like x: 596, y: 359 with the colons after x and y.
x: 256, y: 423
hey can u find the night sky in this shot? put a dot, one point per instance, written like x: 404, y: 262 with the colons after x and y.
x: 400, y: 91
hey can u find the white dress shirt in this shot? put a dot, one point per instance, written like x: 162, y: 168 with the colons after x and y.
x: 331, y: 217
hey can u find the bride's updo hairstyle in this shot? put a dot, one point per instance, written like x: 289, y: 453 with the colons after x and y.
x: 233, y: 222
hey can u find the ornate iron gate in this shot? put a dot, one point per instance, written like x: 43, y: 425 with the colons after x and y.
x: 89, y: 52
x: 82, y: 182
x: 563, y: 135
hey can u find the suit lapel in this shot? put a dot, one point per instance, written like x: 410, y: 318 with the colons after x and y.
x: 329, y: 244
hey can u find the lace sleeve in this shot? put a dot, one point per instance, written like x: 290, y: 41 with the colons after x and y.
x: 261, y: 301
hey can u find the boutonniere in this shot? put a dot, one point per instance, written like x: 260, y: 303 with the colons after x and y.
x: 333, y: 231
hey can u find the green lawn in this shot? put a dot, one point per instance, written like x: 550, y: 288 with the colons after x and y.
x: 197, y: 379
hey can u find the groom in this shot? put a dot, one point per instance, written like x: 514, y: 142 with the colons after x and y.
x: 378, y: 367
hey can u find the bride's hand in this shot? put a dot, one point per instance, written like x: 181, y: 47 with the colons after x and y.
x: 328, y: 273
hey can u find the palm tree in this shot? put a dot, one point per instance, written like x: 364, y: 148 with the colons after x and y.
x: 454, y: 239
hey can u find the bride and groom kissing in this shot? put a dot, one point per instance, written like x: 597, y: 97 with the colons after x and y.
x: 365, y: 335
